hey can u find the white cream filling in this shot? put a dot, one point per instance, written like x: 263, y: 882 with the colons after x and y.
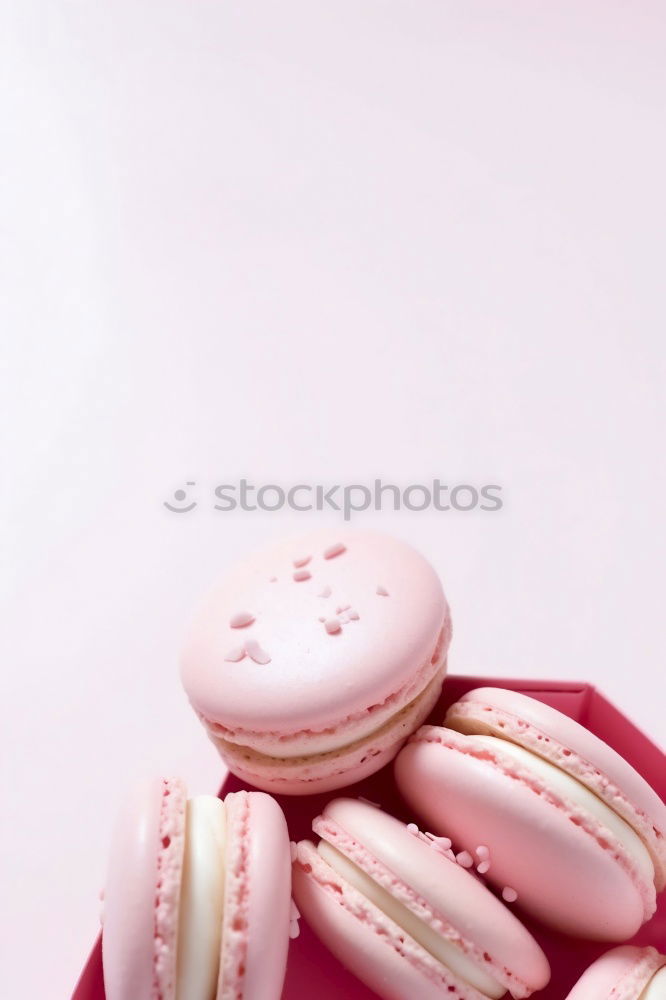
x: 201, y: 900
x: 656, y: 988
x: 569, y: 788
x: 448, y: 954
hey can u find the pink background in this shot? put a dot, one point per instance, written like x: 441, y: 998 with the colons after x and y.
x: 311, y: 241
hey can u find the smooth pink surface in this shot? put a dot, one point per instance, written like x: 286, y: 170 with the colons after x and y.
x: 574, y: 749
x: 310, y: 962
x: 620, y: 974
x: 314, y: 680
x: 129, y: 895
x: 460, y: 907
x: 560, y: 870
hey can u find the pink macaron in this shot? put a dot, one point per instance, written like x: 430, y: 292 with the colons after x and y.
x: 397, y: 910
x: 625, y: 973
x: 572, y: 829
x: 197, y: 900
x: 314, y: 660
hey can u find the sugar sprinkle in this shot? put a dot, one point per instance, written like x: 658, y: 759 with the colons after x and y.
x: 334, y: 550
x: 241, y: 619
x: 236, y: 654
x: 294, y: 915
x: 254, y: 650
x: 443, y: 842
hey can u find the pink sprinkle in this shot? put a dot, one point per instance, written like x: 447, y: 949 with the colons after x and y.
x: 482, y: 852
x: 302, y: 561
x: 241, y: 619
x: 334, y: 550
x: 294, y: 915
x: 332, y: 625
x: 272, y: 579
x: 253, y: 649
x: 293, y: 850
x: 235, y: 655
x: 414, y: 830
x: 300, y: 853
x: 509, y: 895
x: 353, y: 615
x: 443, y: 842
x: 465, y: 859
x: 382, y: 591
x: 483, y: 867
x: 341, y: 608
x: 322, y: 619
x: 302, y: 574
x: 325, y: 592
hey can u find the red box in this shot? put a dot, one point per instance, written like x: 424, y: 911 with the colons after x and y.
x: 312, y: 969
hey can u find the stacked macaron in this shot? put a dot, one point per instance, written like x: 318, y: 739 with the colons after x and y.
x: 197, y: 898
x: 314, y: 660
x: 572, y: 829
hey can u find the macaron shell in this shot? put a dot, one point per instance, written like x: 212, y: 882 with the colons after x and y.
x: 129, y: 896
x: 326, y: 772
x: 574, y: 749
x: 255, y: 934
x: 438, y: 891
x: 140, y: 930
x: 620, y: 974
x: 314, y: 679
x: 291, y: 746
x: 475, y: 801
x: 379, y: 952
